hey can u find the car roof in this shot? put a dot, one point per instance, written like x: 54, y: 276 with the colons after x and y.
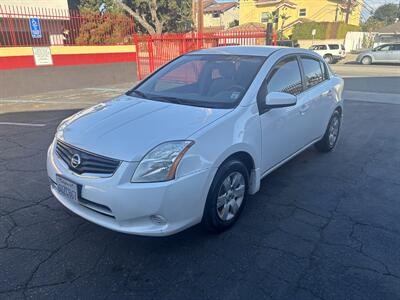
x: 251, y: 50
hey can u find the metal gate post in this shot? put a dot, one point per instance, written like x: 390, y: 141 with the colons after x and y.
x: 150, y: 50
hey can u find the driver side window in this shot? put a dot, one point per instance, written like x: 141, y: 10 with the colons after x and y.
x: 284, y: 77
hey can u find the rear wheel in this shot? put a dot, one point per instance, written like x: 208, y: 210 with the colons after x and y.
x: 226, y: 197
x: 366, y: 60
x: 331, y: 135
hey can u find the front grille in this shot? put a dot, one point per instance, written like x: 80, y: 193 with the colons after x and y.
x: 89, y: 163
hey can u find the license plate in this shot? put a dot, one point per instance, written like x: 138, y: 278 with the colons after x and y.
x: 67, y: 188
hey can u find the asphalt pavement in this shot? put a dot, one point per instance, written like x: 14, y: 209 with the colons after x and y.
x: 323, y: 226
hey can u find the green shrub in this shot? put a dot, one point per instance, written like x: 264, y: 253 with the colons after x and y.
x: 325, y: 30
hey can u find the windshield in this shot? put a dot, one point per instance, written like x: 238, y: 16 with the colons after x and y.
x: 217, y: 81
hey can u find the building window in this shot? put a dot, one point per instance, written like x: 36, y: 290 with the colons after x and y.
x: 216, y: 15
x: 303, y: 12
x: 265, y: 17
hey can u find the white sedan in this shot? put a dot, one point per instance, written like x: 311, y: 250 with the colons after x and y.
x: 189, y: 143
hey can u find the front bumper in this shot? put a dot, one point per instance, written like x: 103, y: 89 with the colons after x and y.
x: 152, y: 209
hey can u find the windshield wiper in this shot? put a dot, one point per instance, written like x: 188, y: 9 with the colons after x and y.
x: 139, y: 93
x: 169, y: 99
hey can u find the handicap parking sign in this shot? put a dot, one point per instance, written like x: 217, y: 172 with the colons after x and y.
x: 36, y: 31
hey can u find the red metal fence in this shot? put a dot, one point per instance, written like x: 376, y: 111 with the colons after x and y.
x: 155, y: 50
x: 71, y: 27
x: 63, y: 27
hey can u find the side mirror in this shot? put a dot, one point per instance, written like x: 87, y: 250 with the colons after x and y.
x: 278, y: 99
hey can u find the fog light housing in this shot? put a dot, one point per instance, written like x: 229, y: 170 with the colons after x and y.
x: 158, y: 220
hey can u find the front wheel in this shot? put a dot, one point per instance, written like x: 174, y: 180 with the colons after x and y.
x: 226, y: 197
x: 331, y: 135
x: 328, y: 59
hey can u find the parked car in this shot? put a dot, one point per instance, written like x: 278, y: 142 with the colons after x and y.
x: 189, y: 143
x: 388, y: 53
x: 331, y: 53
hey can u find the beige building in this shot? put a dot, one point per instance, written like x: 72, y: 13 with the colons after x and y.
x: 218, y: 16
x: 49, y: 4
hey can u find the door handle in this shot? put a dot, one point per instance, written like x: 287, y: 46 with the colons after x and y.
x: 327, y: 93
x: 304, y: 108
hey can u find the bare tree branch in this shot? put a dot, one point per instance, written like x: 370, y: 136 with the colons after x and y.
x: 153, y: 11
x: 141, y: 19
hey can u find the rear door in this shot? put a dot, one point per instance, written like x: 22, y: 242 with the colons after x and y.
x: 396, y: 53
x: 383, y: 53
x: 317, y: 96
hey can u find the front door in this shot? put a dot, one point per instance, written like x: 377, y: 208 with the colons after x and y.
x: 283, y: 129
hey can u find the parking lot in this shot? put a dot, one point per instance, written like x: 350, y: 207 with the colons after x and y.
x: 323, y: 226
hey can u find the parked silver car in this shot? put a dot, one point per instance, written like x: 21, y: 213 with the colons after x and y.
x: 388, y: 53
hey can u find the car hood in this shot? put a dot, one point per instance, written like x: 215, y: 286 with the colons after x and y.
x: 126, y: 128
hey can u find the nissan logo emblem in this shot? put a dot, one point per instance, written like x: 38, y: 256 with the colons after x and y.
x: 75, y: 160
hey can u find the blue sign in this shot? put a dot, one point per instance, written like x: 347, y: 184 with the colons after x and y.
x: 36, y: 31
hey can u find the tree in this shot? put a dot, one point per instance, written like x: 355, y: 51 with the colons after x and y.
x: 152, y: 16
x: 234, y: 23
x: 158, y: 16
x: 284, y: 18
x: 94, y: 5
x: 387, y: 13
x: 372, y: 25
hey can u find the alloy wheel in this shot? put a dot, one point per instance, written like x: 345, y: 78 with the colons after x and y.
x: 334, y: 130
x: 230, y: 196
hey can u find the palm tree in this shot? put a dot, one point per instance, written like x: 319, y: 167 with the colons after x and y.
x: 284, y: 17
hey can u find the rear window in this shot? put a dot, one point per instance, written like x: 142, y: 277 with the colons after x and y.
x: 343, y: 48
x: 312, y: 71
x: 334, y: 47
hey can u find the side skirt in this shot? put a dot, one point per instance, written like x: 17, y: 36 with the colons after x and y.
x: 289, y: 158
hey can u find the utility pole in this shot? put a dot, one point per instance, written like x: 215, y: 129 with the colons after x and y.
x: 348, y: 10
x: 337, y: 12
x: 398, y: 14
x: 200, y: 22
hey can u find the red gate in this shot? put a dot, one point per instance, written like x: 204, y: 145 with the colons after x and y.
x: 153, y: 51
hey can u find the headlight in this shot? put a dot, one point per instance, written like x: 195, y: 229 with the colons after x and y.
x: 160, y: 164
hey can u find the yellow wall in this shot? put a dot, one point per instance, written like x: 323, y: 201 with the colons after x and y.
x: 27, y: 51
x: 223, y: 20
x: 316, y: 10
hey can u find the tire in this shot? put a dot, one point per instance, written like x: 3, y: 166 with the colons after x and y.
x: 328, y: 59
x: 331, y: 136
x: 366, y: 60
x: 219, y: 215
